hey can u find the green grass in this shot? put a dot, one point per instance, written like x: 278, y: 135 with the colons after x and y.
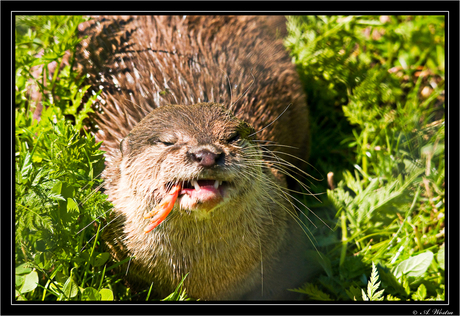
x: 376, y: 93
x: 375, y: 90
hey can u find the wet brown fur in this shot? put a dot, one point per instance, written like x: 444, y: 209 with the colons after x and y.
x: 202, y: 78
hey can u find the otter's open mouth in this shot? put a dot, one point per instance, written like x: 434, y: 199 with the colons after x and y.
x: 204, y: 190
x: 203, y: 194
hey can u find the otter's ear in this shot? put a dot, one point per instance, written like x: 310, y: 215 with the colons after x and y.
x: 124, y: 146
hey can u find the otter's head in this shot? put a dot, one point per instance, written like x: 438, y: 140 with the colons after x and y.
x: 202, y: 147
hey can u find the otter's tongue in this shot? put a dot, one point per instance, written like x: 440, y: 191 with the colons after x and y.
x: 201, y: 194
x: 204, y: 190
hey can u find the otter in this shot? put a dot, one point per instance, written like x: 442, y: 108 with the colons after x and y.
x: 205, y: 114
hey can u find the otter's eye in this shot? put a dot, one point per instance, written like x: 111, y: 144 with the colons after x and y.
x: 234, y: 138
x: 166, y: 143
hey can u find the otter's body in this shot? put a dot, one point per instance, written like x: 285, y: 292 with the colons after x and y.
x: 186, y: 102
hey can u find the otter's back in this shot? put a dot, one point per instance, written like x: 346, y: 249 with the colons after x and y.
x: 142, y: 63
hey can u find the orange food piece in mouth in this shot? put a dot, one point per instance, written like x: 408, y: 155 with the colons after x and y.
x: 161, y: 211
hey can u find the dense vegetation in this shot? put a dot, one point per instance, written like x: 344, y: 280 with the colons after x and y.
x: 376, y: 94
x: 375, y: 88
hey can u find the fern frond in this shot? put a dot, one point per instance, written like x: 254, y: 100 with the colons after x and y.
x: 372, y: 287
x: 313, y: 292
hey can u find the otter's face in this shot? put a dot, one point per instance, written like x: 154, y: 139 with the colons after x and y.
x: 202, y: 148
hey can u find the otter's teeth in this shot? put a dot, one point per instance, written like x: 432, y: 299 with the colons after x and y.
x: 216, y: 184
x: 196, y: 185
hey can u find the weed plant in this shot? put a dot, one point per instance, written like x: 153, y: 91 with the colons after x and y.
x: 58, y: 214
x: 375, y: 88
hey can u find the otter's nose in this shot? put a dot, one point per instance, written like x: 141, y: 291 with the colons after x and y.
x: 206, y: 158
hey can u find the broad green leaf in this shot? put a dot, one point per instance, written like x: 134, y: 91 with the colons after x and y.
x: 106, y: 295
x: 354, y: 292
x: 405, y: 284
x: 40, y: 245
x: 84, y: 256
x: 61, y: 277
x: 70, y: 288
x: 100, y: 259
x: 91, y: 294
x: 420, y: 295
x: 56, y: 191
x: 19, y: 280
x: 23, y: 269
x: 30, y: 282
x: 57, y: 187
x: 68, y: 191
x: 40, y: 260
x: 414, y: 266
x: 440, y: 257
x: 72, y: 212
x: 72, y: 206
